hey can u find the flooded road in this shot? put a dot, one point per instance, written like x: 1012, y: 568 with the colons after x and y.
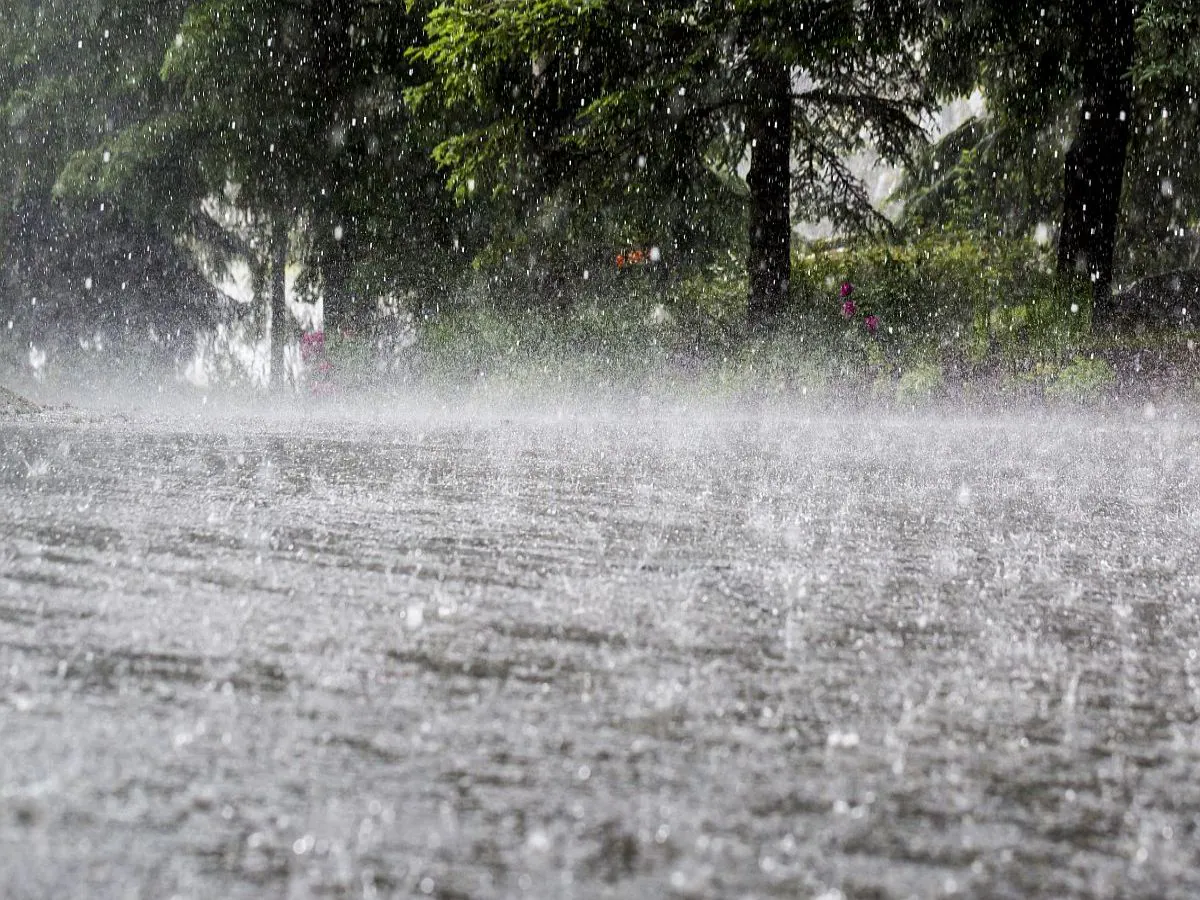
x: 684, y: 653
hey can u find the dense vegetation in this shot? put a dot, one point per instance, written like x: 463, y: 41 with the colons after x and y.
x: 619, y: 178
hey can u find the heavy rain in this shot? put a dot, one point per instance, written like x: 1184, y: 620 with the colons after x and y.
x: 531, y: 448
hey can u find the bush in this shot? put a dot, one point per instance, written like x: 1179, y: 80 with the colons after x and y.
x: 1082, y: 380
x: 951, y: 293
x: 921, y: 381
x: 952, y: 314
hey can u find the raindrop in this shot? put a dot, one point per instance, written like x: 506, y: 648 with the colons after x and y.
x: 847, y: 740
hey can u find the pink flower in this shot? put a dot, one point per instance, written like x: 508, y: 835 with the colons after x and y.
x: 312, y: 345
x: 847, y: 289
x: 849, y: 308
x: 872, y: 323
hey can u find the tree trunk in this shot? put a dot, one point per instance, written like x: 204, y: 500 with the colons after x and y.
x: 280, y: 326
x: 333, y: 47
x: 1095, y: 164
x: 344, y: 312
x: 769, y: 260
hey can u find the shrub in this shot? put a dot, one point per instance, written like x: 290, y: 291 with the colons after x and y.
x: 919, y: 382
x: 1082, y: 379
x: 951, y: 292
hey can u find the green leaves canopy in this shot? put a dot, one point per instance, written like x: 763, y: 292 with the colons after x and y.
x: 585, y: 104
x: 1003, y: 173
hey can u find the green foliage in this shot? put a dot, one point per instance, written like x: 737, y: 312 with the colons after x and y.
x: 1002, y: 173
x: 70, y: 74
x: 633, y: 117
x: 1161, y: 206
x: 1082, y: 379
x: 1170, y: 34
x: 949, y: 294
x: 74, y: 75
x: 589, y: 343
x: 986, y: 177
x: 921, y: 381
x: 403, y: 141
x: 288, y: 113
x: 714, y: 296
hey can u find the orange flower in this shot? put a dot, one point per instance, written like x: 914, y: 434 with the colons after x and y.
x: 620, y: 260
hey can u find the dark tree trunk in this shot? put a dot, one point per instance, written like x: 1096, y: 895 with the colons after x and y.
x: 769, y: 260
x: 341, y: 311
x: 331, y: 29
x: 281, y: 331
x: 1095, y: 164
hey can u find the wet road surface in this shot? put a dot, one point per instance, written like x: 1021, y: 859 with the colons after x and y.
x: 692, y: 653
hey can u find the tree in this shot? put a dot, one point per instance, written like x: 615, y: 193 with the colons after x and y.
x: 72, y: 75
x: 643, y: 104
x: 1094, y: 168
x: 1161, y: 210
x: 260, y: 82
x: 1090, y: 113
x: 285, y: 139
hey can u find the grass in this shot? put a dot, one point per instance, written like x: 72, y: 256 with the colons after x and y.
x: 957, y: 321
x: 590, y: 351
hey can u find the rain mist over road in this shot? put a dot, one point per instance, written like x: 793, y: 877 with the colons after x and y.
x: 690, y: 651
